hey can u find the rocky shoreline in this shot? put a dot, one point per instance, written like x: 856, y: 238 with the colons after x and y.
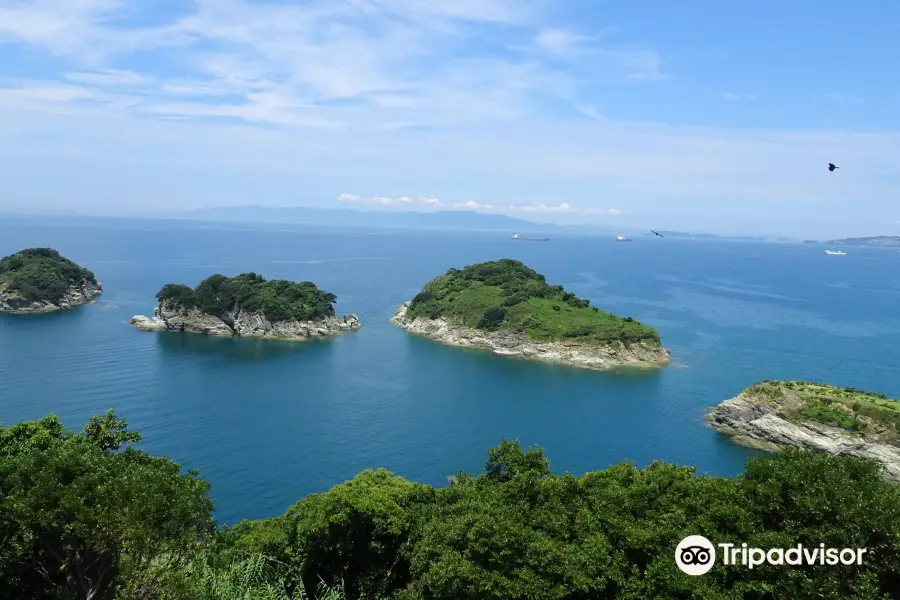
x: 84, y: 292
x: 520, y: 345
x: 758, y: 422
x: 241, y: 324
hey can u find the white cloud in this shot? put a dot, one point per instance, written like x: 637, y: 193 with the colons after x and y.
x: 43, y: 92
x: 589, y: 111
x: 598, y: 61
x: 540, y: 207
x: 561, y: 42
x: 401, y: 201
x: 108, y: 77
x: 472, y: 205
x: 434, y: 203
x: 285, y: 61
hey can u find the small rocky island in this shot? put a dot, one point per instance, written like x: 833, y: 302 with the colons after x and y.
x: 247, y: 306
x: 772, y: 415
x: 41, y: 280
x: 508, y: 308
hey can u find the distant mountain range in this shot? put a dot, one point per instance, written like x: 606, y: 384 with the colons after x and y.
x: 878, y: 241
x: 708, y: 236
x: 456, y: 219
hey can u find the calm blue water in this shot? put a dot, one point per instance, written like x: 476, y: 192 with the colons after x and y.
x: 269, y: 422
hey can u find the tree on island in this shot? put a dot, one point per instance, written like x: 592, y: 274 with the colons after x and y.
x: 278, y: 300
x: 41, y: 274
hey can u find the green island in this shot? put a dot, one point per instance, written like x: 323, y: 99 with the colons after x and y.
x: 87, y: 515
x: 278, y: 300
x: 41, y: 279
x: 506, y: 295
x: 850, y: 409
x: 247, y: 305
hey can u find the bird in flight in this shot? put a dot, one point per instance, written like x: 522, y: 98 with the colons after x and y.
x: 832, y: 167
x: 657, y: 233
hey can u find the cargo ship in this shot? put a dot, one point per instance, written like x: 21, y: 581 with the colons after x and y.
x: 516, y: 236
x: 622, y: 238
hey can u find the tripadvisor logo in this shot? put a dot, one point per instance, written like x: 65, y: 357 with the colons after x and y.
x: 696, y: 555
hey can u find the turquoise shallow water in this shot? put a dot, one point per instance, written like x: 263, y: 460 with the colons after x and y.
x: 269, y: 422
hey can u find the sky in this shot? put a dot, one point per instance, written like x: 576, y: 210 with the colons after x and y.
x: 699, y: 115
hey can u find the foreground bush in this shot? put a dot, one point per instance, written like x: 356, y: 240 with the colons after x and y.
x: 81, y: 518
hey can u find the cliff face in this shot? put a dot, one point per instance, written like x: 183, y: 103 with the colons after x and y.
x: 240, y: 323
x: 12, y: 301
x: 506, y: 343
x: 754, y: 421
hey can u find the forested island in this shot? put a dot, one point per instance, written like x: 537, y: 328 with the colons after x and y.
x: 40, y: 280
x: 510, y: 309
x: 247, y: 305
x: 86, y: 515
x: 772, y: 415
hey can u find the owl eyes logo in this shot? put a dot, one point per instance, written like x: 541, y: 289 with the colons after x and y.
x: 695, y: 555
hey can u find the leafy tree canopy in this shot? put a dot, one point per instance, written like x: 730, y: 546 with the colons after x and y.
x: 507, y: 295
x: 278, y: 300
x: 81, y: 517
x: 41, y: 274
x: 519, y: 532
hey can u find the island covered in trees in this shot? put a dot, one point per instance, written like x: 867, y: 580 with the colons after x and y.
x: 506, y: 307
x: 86, y: 515
x: 772, y: 415
x: 247, y: 305
x: 40, y: 280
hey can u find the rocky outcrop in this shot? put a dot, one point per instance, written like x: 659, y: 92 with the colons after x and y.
x: 506, y: 343
x: 762, y: 423
x: 241, y: 323
x: 83, y: 292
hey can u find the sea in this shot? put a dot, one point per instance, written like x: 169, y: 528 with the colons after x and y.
x: 269, y: 422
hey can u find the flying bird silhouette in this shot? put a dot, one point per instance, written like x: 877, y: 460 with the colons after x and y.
x: 657, y: 233
x: 831, y: 167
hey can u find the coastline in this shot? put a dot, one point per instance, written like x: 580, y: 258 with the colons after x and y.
x: 241, y: 324
x: 84, y: 292
x: 758, y: 422
x: 596, y: 357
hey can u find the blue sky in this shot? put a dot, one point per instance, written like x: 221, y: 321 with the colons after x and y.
x: 698, y: 115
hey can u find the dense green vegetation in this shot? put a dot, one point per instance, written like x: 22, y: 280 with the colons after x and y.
x: 849, y: 408
x: 278, y: 300
x: 41, y: 274
x: 80, y: 517
x: 507, y: 295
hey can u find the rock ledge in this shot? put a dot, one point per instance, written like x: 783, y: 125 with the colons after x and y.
x: 755, y: 422
x: 241, y: 323
x: 83, y: 292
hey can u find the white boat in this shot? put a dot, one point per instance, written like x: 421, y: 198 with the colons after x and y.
x: 835, y: 253
x: 622, y: 238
